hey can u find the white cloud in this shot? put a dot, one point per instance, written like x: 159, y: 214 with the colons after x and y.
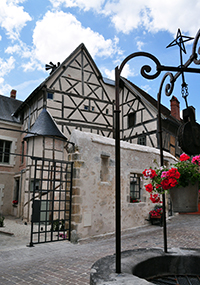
x: 139, y: 45
x: 124, y: 14
x: 171, y: 15
x: 82, y: 4
x: 26, y: 84
x: 152, y: 15
x: 109, y: 73
x: 13, y: 17
x: 13, y: 49
x: 146, y: 88
x: 4, y: 88
x: 27, y: 87
x: 59, y: 33
x: 32, y: 65
x: 126, y: 72
x: 6, y: 65
x: 25, y: 52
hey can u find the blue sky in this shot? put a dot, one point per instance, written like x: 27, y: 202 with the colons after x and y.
x: 33, y: 33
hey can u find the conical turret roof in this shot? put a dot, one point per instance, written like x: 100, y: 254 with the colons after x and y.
x: 45, y: 126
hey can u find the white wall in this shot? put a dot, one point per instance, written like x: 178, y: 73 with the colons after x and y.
x: 96, y: 197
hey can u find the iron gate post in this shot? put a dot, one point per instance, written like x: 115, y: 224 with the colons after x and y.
x: 117, y: 175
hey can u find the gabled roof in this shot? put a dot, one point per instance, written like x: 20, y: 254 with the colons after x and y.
x: 164, y: 110
x: 57, y: 70
x: 45, y: 126
x: 7, y: 108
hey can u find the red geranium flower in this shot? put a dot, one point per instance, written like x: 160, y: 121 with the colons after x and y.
x: 172, y: 182
x: 155, y: 198
x: 165, y: 184
x: 149, y: 188
x: 184, y: 157
x: 149, y: 173
x: 173, y: 173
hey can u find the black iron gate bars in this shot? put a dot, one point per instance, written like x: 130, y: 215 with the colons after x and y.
x: 51, y: 200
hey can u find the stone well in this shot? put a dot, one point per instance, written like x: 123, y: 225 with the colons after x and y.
x: 140, y: 265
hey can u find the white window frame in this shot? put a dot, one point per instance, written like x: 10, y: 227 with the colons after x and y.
x: 12, y: 150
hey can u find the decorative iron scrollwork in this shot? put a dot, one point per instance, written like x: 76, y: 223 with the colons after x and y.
x: 146, y: 69
x: 169, y: 87
x: 194, y: 53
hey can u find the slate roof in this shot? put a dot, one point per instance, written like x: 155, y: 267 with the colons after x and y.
x: 45, y: 126
x: 7, y: 107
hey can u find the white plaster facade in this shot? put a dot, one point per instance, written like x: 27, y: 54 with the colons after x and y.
x: 9, y: 172
x: 94, y: 191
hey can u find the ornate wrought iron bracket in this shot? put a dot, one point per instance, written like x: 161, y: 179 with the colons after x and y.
x: 145, y: 72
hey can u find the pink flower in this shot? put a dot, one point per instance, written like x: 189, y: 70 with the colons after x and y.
x: 196, y: 159
x: 164, y: 174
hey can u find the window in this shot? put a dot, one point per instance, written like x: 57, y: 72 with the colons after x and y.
x: 89, y: 108
x: 22, y: 157
x: 86, y: 107
x: 135, y: 188
x: 5, y: 151
x: 36, y: 185
x: 131, y: 120
x: 16, y: 190
x: 104, y: 167
x: 142, y: 140
x: 50, y: 96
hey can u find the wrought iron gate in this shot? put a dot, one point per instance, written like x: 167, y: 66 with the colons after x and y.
x: 51, y: 202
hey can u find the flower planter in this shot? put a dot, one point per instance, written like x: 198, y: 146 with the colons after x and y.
x: 156, y: 217
x: 156, y: 220
x: 185, y: 199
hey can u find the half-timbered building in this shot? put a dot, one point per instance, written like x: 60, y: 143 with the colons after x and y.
x: 76, y: 96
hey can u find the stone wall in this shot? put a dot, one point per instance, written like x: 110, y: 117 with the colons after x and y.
x: 93, y: 210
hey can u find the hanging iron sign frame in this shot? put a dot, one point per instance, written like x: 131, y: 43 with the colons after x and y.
x: 169, y: 87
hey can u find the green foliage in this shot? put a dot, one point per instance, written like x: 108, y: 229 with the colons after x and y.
x: 189, y: 173
x: 55, y: 225
x: 158, y: 206
x: 58, y: 225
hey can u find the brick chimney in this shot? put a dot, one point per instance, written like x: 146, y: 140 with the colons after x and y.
x: 13, y: 94
x: 175, y: 109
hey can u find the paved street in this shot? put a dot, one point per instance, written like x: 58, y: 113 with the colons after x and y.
x: 66, y: 263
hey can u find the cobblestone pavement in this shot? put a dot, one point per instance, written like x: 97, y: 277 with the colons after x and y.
x: 66, y: 263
